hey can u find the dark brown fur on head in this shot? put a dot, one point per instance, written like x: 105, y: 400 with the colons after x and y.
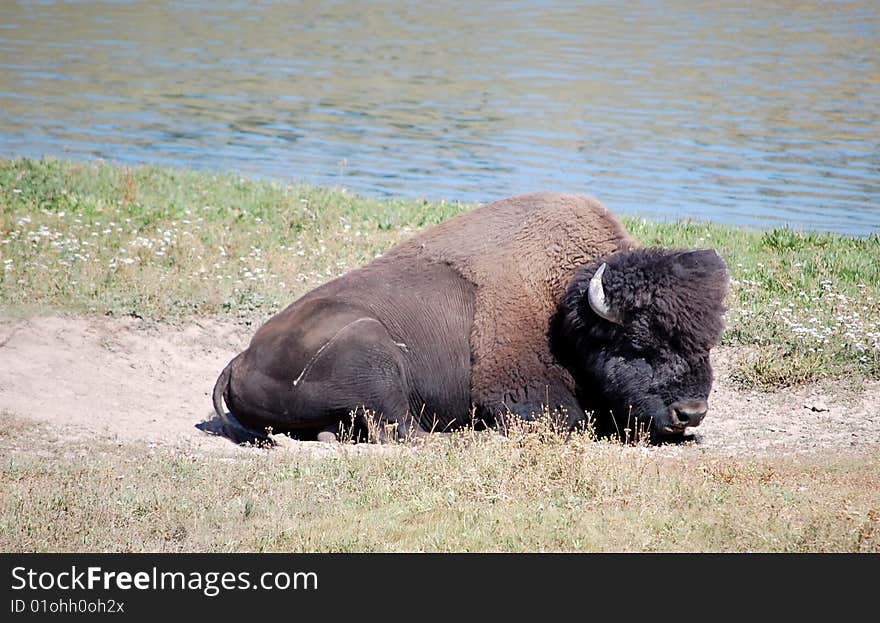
x: 668, y: 307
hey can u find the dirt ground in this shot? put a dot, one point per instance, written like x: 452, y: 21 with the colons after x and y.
x: 131, y: 381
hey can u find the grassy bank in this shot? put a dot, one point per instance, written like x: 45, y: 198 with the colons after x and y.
x: 170, y: 245
x: 532, y: 491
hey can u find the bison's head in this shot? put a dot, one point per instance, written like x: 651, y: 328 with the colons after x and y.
x: 635, y: 330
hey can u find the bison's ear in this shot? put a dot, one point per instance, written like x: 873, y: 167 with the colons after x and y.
x: 700, y: 261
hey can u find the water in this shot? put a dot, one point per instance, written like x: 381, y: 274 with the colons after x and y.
x: 739, y: 112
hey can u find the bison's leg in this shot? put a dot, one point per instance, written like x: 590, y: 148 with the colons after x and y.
x: 363, y: 370
x: 308, y: 382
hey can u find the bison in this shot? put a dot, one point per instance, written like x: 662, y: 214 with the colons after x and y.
x: 531, y: 304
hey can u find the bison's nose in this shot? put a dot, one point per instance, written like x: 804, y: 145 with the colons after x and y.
x: 689, y: 412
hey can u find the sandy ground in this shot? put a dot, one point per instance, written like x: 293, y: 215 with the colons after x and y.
x: 132, y: 381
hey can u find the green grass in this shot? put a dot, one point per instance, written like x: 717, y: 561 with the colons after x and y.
x: 170, y: 245
x: 531, y: 491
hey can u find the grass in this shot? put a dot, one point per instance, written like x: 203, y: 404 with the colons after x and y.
x: 170, y: 245
x: 533, y: 491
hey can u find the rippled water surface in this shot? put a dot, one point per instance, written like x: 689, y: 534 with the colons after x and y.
x: 758, y: 113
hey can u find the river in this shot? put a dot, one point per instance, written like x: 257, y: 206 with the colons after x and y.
x: 754, y: 113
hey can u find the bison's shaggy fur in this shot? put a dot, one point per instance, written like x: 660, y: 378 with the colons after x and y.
x: 671, y: 306
x: 664, y: 296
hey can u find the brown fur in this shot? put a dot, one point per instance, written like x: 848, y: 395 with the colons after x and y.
x: 520, y: 253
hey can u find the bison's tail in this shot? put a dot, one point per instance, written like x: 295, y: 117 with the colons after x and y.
x: 220, y: 389
x: 228, y: 425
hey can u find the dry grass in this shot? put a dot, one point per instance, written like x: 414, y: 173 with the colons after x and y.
x: 532, y: 491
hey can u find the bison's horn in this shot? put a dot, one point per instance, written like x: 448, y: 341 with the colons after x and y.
x: 596, y: 296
